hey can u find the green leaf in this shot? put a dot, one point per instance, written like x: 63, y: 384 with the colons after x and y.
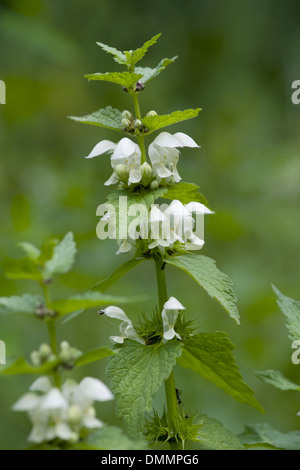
x: 102, y: 286
x: 110, y: 438
x: 213, y: 435
x: 153, y: 123
x: 217, y: 284
x: 149, y: 73
x: 137, y: 372
x: 30, y: 250
x: 277, y: 379
x: 264, y: 434
x: 210, y: 355
x: 119, y: 56
x: 107, y: 117
x: 87, y: 300
x: 185, y: 193
x: 47, y: 250
x: 63, y: 257
x: 125, y: 79
x: 144, y: 197
x: 93, y: 356
x: 138, y: 54
x: 291, y: 309
x: 25, y: 304
x: 24, y: 268
x: 21, y: 367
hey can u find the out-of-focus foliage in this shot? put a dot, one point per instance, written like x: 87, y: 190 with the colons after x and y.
x: 237, y: 61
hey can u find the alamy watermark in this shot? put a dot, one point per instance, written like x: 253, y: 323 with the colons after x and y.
x: 296, y: 94
x: 2, y: 353
x: 2, y: 92
x: 164, y: 222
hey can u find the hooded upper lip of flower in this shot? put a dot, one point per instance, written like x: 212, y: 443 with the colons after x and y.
x: 126, y: 328
x: 164, y: 155
x: 169, y: 316
x: 125, y: 152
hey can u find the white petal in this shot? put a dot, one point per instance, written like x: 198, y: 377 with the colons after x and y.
x: 125, y: 148
x: 156, y: 215
x: 117, y: 339
x: 95, y: 389
x: 124, y: 247
x: 173, y: 304
x: 69, y: 388
x: 27, y: 402
x: 198, y: 208
x: 169, y: 334
x: 112, y: 180
x: 162, y: 171
x: 42, y: 384
x: 102, y: 147
x: 63, y: 431
x: 185, y: 140
x: 135, y: 176
x: 38, y: 434
x: 116, y: 312
x: 165, y: 139
x: 54, y: 400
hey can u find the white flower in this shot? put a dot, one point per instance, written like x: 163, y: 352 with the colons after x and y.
x: 126, y: 328
x: 62, y: 413
x: 169, y: 317
x: 164, y: 155
x: 176, y: 224
x: 125, y: 152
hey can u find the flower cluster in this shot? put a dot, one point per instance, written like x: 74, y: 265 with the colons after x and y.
x: 170, y: 226
x: 169, y: 317
x: 66, y: 355
x: 62, y: 414
x: 127, y: 165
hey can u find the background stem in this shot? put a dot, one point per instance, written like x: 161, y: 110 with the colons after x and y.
x: 52, y: 335
x: 170, y: 388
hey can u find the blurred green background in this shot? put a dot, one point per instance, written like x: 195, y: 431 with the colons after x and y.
x: 237, y: 60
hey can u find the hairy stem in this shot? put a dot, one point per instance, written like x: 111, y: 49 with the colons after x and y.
x: 170, y: 388
x: 138, y: 115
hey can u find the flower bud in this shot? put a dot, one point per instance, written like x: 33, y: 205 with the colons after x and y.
x: 138, y: 124
x: 64, y: 345
x: 125, y: 123
x: 122, y: 173
x: 154, y: 185
x: 51, y: 358
x: 151, y: 113
x: 35, y: 358
x: 139, y: 86
x: 126, y: 114
x: 45, y: 351
x: 147, y: 173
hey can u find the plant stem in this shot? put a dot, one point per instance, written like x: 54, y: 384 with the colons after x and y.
x: 170, y: 388
x: 52, y: 335
x: 138, y: 115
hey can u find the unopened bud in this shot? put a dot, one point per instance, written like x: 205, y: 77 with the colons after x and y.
x: 154, y: 185
x: 139, y: 86
x: 125, y: 123
x: 138, y: 124
x: 147, y: 173
x: 122, y: 172
x: 35, y: 358
x: 44, y: 350
x: 64, y: 345
x: 151, y: 113
x: 126, y: 114
x: 51, y: 358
